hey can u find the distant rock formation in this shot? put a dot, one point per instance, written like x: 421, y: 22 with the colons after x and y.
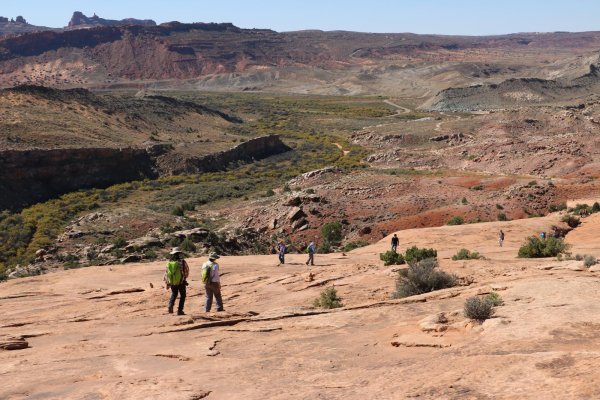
x: 19, y: 20
x: 79, y: 20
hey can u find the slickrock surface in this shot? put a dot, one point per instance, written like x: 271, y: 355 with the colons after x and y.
x: 104, y: 333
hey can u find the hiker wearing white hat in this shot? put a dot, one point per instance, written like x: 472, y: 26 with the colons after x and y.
x: 212, y: 282
x: 176, y: 279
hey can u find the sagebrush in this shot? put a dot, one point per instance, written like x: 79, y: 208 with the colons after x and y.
x: 328, y: 299
x: 422, y: 277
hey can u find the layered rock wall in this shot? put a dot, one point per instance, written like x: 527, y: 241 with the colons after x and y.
x: 31, y: 176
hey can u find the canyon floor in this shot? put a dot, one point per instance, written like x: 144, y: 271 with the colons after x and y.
x: 104, y: 333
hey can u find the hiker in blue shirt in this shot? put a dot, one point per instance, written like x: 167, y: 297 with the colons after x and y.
x: 311, y: 253
x: 281, y: 249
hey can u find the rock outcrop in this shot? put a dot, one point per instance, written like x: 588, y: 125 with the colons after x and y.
x: 79, y: 20
x: 31, y: 176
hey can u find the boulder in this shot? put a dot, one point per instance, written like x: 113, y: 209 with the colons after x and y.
x: 131, y: 258
x: 298, y: 223
x: 195, y: 234
x: 143, y: 242
x: 13, y: 343
x: 293, y: 201
x: 295, y: 214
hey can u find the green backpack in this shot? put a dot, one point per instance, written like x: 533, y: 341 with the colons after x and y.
x: 206, y: 270
x: 173, y: 273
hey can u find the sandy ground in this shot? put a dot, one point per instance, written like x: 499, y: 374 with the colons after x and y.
x: 88, y: 341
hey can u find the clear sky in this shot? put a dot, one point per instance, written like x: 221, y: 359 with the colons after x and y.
x: 468, y: 17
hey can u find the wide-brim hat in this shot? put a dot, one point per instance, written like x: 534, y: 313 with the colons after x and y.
x: 213, y: 256
x: 175, y: 250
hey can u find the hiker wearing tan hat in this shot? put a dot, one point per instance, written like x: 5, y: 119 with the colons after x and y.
x: 212, y: 282
x: 176, y: 279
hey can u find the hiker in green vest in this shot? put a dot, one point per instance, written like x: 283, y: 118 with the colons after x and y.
x: 212, y: 282
x: 176, y: 279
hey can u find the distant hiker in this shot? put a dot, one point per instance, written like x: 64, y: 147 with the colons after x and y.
x: 543, y: 235
x: 176, y: 279
x: 500, y: 237
x: 281, y: 252
x: 395, y: 242
x: 212, y: 282
x: 312, y: 249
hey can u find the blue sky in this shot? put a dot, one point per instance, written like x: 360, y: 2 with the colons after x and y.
x: 466, y: 17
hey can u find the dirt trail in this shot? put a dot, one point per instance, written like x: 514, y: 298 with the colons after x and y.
x: 104, y: 333
x: 400, y: 110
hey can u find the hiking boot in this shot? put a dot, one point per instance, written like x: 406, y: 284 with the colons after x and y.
x: 180, y: 313
x: 220, y: 309
x: 170, y: 310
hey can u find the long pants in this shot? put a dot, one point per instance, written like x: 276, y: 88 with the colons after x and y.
x: 394, y: 247
x: 281, y: 258
x: 213, y: 289
x: 175, y: 289
x: 311, y: 259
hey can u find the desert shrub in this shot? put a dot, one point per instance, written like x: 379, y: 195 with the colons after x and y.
x: 269, y: 193
x: 415, y: 254
x: 578, y: 257
x: 499, y: 207
x: 571, y: 220
x: 494, y: 299
x: 324, y: 248
x: 464, y: 200
x: 178, y: 211
x: 175, y: 241
x: 286, y: 188
x: 535, y: 247
x: 532, y: 183
x: 502, y: 217
x: 464, y: 254
x: 477, y: 187
x: 188, y: 245
x: 578, y: 207
x: 595, y: 207
x: 456, y: 220
x: 119, y: 242
x: 392, y: 258
x: 557, y: 207
x: 310, y: 191
x: 328, y: 299
x: 355, y: 245
x: 332, y: 232
x: 3, y: 272
x: 478, y: 309
x: 589, y: 260
x: 150, y: 254
x: 422, y: 277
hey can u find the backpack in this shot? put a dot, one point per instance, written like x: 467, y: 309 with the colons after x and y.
x: 174, y: 273
x: 206, y: 271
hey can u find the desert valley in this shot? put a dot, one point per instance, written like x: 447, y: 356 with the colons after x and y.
x: 122, y: 139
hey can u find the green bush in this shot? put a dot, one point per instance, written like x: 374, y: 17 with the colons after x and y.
x: 269, y: 193
x: 589, y: 260
x: 178, y: 211
x: 188, y: 245
x: 119, y: 242
x: 422, y: 277
x: 464, y: 254
x: 571, y: 220
x: 332, y: 232
x: 392, y: 258
x: 3, y: 272
x: 557, y: 207
x: 502, y: 217
x: 499, y: 206
x: 494, y: 299
x: 324, y: 248
x: 328, y: 299
x: 456, y: 220
x: 355, y: 245
x: 535, y: 247
x: 415, y: 254
x: 477, y: 187
x: 464, y: 200
x: 478, y: 309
